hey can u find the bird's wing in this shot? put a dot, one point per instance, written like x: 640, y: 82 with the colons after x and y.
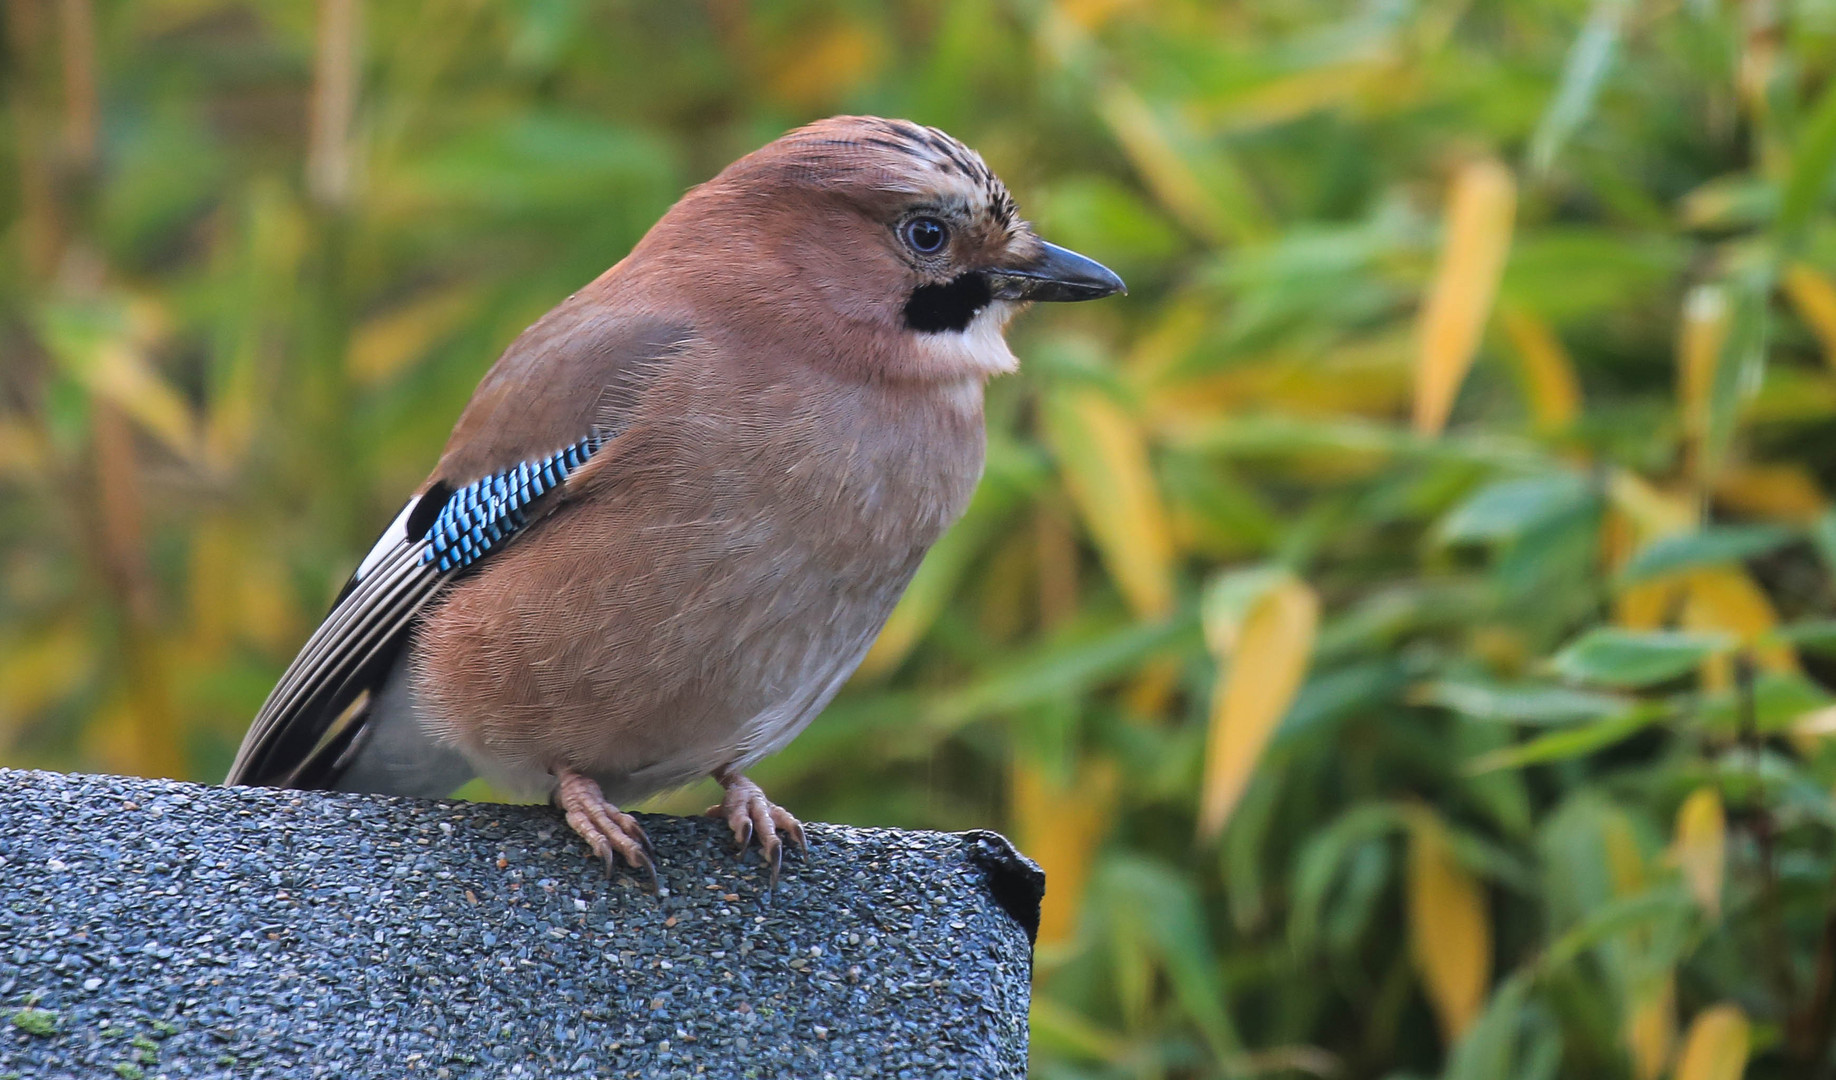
x: 297, y: 739
x: 567, y: 387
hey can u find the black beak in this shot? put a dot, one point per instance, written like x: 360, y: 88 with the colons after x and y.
x: 1054, y: 274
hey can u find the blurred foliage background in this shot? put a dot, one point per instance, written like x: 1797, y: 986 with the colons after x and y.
x: 1401, y: 626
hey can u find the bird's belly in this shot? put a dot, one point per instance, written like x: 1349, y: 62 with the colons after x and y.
x: 655, y: 663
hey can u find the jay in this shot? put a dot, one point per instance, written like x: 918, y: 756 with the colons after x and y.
x: 678, y: 509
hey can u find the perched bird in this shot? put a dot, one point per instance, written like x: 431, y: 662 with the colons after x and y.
x: 678, y: 509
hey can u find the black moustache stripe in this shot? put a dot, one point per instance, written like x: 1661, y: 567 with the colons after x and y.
x: 950, y: 306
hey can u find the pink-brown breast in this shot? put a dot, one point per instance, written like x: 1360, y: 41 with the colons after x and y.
x: 717, y: 571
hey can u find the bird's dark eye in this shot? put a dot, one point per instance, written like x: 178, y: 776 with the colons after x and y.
x: 925, y: 235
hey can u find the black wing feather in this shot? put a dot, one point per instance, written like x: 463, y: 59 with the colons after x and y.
x: 296, y: 739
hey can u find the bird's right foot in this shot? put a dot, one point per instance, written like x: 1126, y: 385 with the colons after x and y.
x: 609, y: 831
x: 753, y: 817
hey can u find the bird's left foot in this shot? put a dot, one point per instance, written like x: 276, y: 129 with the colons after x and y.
x: 609, y: 831
x: 752, y: 816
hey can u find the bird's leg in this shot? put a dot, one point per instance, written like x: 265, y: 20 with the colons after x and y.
x: 752, y: 816
x: 608, y: 830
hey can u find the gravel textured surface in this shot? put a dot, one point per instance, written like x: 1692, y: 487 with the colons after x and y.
x: 151, y: 928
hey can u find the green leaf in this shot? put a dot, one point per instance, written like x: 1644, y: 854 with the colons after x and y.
x: 1589, y: 61
x: 1327, y: 857
x: 1521, y: 704
x: 1741, y: 366
x: 1813, y: 635
x: 1775, y: 701
x: 1572, y: 743
x: 1488, y: 1048
x: 1713, y: 546
x: 1068, y: 666
x: 1809, y: 180
x: 1510, y: 508
x: 1613, y: 918
x: 1823, y: 534
x: 1168, y: 914
x: 1609, y: 656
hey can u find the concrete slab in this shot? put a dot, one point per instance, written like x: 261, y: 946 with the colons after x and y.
x: 158, y: 929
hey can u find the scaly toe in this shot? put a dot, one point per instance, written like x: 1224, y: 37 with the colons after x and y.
x: 789, y: 825
x: 755, y: 818
x: 609, y: 831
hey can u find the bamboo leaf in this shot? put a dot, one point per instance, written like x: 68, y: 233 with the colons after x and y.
x: 1548, y: 372
x: 1481, y: 205
x: 1814, y: 295
x: 1716, y: 1046
x: 1510, y: 508
x: 1713, y: 546
x: 1727, y: 600
x: 1066, y: 666
x: 1264, y: 652
x: 1699, y: 348
x: 1700, y: 848
x: 1450, y: 936
x: 388, y: 342
x: 1521, y: 704
x: 1507, y: 1040
x: 1571, y: 743
x: 1203, y: 190
x: 1105, y: 459
x: 1808, y: 183
x: 1787, y: 493
x: 1624, y: 658
x: 1651, y: 1028
x: 1589, y: 60
x: 1060, y: 824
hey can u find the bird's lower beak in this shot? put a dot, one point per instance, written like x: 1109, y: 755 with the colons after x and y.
x: 1054, y: 274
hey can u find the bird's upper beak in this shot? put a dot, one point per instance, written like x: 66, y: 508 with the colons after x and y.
x: 1054, y: 273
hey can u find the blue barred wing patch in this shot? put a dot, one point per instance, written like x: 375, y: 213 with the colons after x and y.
x: 486, y: 512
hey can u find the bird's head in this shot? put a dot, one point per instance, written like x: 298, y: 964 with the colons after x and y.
x: 901, y: 232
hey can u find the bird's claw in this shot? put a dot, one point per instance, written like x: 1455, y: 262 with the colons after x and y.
x: 609, y: 831
x: 752, y: 816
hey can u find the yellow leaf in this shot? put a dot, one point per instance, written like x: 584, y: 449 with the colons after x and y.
x: 1705, y: 329
x: 1701, y: 847
x: 1625, y: 863
x: 1478, y: 238
x: 1549, y: 374
x: 1725, y: 598
x: 1264, y: 659
x: 1105, y: 459
x: 36, y: 671
x: 1639, y: 513
x: 1647, y: 605
x: 1153, y: 151
x: 215, y: 574
x: 1060, y: 825
x: 1651, y: 1028
x: 1178, y: 330
x: 1781, y: 492
x: 1092, y: 14
x: 1814, y: 295
x: 826, y: 65
x: 387, y: 343
x: 1653, y: 512
x: 1153, y: 688
x: 120, y: 372
x: 1716, y: 1046
x: 1264, y: 102
x: 1450, y: 936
